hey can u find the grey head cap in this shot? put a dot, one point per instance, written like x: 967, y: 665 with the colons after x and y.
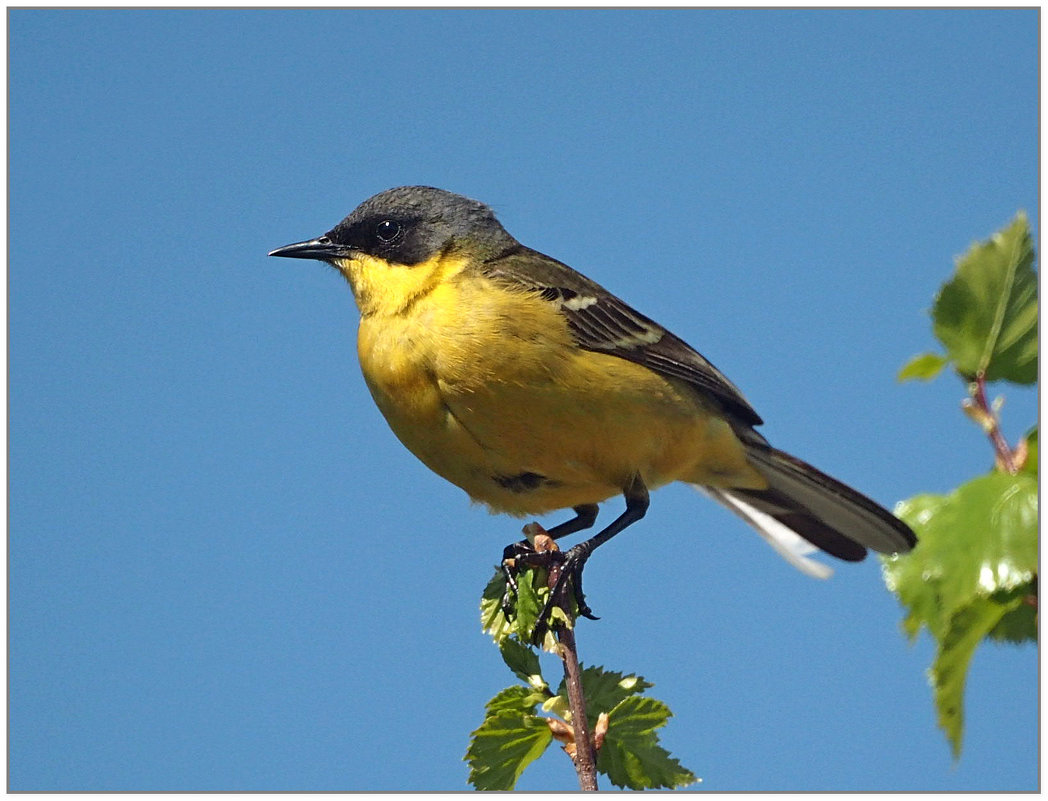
x: 410, y: 224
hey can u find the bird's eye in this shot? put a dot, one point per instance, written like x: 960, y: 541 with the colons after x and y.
x: 387, y: 231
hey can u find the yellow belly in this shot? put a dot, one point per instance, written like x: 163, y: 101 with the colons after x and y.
x: 488, y: 390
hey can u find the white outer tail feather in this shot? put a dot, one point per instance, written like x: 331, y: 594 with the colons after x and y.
x: 789, y: 545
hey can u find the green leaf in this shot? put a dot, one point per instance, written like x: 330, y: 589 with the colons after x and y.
x: 949, y: 672
x: 978, y: 540
x: 529, y: 601
x: 1019, y: 622
x: 605, y: 689
x: 631, y: 756
x: 505, y: 744
x: 970, y: 577
x: 517, y: 698
x: 531, y: 595
x: 923, y: 367
x: 532, y: 592
x: 523, y: 661
x: 492, y: 617
x: 557, y: 705
x: 986, y: 315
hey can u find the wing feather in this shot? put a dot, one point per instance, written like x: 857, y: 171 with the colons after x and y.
x: 603, y: 323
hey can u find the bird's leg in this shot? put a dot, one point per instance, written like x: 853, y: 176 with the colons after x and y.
x: 574, y: 559
x: 585, y: 516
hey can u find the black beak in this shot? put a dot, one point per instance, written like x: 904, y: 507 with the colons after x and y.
x: 321, y: 248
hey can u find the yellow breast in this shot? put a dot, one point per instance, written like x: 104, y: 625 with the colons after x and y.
x: 486, y: 386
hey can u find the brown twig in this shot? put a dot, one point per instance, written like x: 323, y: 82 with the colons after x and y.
x: 987, y: 418
x: 584, y: 756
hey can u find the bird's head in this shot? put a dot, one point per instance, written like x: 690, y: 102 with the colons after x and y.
x: 392, y: 245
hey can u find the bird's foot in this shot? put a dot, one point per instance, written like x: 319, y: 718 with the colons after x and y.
x: 566, y: 567
x: 566, y: 590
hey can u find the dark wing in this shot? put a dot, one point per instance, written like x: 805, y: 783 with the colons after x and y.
x: 604, y: 324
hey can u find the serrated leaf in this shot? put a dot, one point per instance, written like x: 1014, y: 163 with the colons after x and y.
x: 503, y: 745
x: 978, y: 540
x: 528, y: 603
x: 605, y: 689
x: 523, y: 661
x: 923, y: 367
x: 531, y: 595
x: 986, y: 315
x: 949, y: 672
x: 492, y: 617
x: 631, y: 756
x: 517, y: 698
x: 1019, y: 623
x: 969, y: 578
x: 634, y: 719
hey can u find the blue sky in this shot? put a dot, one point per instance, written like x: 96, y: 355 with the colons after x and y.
x: 225, y: 573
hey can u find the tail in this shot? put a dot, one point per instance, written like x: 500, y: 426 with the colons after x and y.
x: 803, y: 507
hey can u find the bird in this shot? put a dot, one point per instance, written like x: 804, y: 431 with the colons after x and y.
x: 534, y: 389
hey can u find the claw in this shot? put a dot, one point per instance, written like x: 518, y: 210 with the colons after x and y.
x: 544, y: 553
x: 572, y: 563
x: 574, y: 559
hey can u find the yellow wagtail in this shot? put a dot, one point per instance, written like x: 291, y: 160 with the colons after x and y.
x: 534, y: 389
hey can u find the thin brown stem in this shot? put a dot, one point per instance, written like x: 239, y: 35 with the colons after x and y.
x: 1005, y: 455
x: 585, y: 757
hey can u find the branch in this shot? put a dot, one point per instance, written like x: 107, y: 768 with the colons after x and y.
x: 584, y: 757
x: 979, y: 409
